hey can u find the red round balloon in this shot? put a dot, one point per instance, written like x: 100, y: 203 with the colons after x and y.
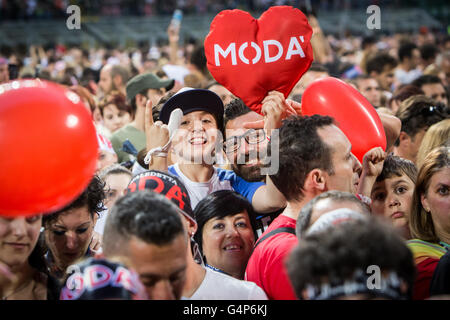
x: 49, y: 147
x: 353, y: 114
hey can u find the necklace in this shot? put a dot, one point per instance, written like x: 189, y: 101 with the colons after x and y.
x: 23, y: 286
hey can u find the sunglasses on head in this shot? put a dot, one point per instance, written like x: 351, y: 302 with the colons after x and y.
x: 430, y: 110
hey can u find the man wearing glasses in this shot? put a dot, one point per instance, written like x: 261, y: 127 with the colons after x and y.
x: 246, y: 148
x: 240, y: 141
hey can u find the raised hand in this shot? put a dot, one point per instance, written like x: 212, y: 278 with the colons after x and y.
x: 156, y: 133
x: 372, y: 166
x: 373, y: 162
x: 275, y: 108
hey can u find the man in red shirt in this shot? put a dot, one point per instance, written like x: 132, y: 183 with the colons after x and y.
x: 314, y: 157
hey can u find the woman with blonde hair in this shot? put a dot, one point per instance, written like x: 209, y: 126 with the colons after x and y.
x: 436, y: 136
x: 430, y: 218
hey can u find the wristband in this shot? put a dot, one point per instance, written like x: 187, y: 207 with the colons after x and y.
x: 159, y: 151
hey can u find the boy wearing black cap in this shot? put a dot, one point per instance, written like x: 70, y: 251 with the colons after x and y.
x: 140, y: 89
x: 194, y: 143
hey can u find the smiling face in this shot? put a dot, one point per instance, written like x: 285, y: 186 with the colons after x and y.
x: 228, y: 242
x: 242, y: 164
x: 18, y: 237
x: 195, y: 140
x: 436, y: 200
x: 68, y: 236
x: 392, y: 198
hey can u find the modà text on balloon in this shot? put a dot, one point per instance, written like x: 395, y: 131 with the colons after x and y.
x: 294, y: 48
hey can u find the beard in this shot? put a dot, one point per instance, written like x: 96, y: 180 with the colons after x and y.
x: 250, y: 174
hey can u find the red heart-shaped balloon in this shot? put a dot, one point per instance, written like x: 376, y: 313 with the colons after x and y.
x: 354, y: 115
x: 251, y: 57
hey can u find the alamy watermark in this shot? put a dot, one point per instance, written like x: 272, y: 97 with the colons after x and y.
x: 374, y: 20
x: 73, y: 22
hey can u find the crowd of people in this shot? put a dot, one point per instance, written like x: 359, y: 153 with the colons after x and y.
x: 181, y: 207
x: 35, y: 10
x: 32, y: 9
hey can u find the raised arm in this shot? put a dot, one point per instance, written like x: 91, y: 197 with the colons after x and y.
x: 157, y: 136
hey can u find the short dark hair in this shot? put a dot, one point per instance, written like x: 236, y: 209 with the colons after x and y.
x: 198, y: 59
x: 305, y: 214
x: 234, y: 109
x: 92, y: 197
x: 220, y: 204
x: 336, y: 254
x: 396, y: 166
x: 405, y: 50
x: 379, y: 61
x: 428, y: 51
x: 300, y: 150
x: 368, y: 40
x: 427, y: 79
x: 403, y: 92
x: 146, y: 215
x: 420, y: 112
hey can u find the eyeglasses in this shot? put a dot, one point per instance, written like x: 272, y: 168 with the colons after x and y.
x: 251, y: 136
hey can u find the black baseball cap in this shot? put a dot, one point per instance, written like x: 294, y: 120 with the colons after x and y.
x: 167, y: 185
x: 190, y: 100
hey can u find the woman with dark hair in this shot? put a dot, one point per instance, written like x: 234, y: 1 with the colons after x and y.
x: 24, y: 275
x: 69, y: 232
x: 430, y: 218
x: 225, y: 233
